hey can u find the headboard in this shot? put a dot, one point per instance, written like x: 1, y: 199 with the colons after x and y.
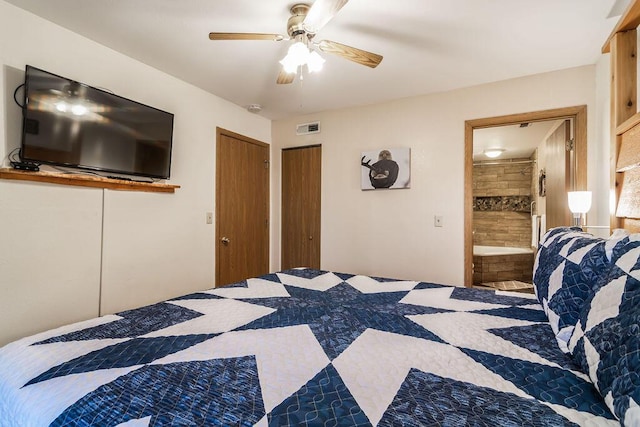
x: 625, y: 121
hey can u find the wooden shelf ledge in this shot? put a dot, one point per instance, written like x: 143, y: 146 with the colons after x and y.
x: 628, y: 124
x: 86, y: 181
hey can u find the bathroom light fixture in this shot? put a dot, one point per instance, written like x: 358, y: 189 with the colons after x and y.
x: 299, y: 55
x: 579, y: 204
x: 493, y: 152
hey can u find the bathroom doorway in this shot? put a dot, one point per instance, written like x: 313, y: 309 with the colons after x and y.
x: 508, y: 197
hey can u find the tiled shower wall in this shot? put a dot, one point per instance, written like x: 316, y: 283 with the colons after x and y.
x: 502, y: 205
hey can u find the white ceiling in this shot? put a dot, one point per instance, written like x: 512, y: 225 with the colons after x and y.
x: 518, y: 142
x: 428, y: 45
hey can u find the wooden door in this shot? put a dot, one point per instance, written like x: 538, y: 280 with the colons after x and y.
x: 559, y: 177
x: 242, y: 208
x: 301, y: 186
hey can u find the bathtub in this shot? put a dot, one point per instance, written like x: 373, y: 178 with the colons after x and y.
x: 498, y: 264
x: 499, y: 250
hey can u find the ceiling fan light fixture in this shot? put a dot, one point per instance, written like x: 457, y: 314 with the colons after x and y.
x: 288, y: 65
x: 315, y: 62
x: 302, y: 26
x: 298, y: 53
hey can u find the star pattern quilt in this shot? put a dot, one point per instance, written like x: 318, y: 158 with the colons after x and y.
x: 306, y: 348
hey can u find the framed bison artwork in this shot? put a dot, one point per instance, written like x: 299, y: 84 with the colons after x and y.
x: 386, y: 168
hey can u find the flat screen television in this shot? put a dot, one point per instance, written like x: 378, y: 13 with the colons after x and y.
x: 71, y: 124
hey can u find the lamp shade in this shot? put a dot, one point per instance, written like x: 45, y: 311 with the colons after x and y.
x: 314, y: 62
x: 579, y: 201
x: 299, y: 55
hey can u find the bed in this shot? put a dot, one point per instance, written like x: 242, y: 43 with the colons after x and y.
x: 311, y: 347
x: 304, y: 347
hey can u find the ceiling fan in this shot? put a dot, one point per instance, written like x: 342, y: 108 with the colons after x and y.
x: 302, y: 26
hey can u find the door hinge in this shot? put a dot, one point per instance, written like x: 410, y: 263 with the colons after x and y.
x: 266, y: 164
x: 569, y: 145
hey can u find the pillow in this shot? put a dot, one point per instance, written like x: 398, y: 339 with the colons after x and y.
x: 606, y: 340
x: 566, y: 271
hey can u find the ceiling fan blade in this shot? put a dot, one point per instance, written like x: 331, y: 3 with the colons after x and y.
x: 351, y: 53
x: 321, y: 12
x: 245, y: 36
x: 285, y: 78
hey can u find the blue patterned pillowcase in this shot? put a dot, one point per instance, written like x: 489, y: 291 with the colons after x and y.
x: 606, y: 340
x: 568, y: 265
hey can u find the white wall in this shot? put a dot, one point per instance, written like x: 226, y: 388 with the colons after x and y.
x: 599, y: 162
x: 391, y: 232
x: 155, y: 246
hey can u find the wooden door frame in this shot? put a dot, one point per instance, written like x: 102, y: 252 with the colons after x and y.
x: 579, y: 116
x: 219, y: 133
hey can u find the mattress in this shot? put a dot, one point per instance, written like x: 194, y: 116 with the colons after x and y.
x: 304, y: 347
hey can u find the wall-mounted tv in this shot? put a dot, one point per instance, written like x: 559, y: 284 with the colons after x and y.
x: 71, y: 124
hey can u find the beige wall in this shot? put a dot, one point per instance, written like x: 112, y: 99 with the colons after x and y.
x: 599, y: 162
x: 391, y: 232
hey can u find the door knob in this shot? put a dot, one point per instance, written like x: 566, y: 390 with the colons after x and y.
x: 225, y: 240
x: 310, y: 237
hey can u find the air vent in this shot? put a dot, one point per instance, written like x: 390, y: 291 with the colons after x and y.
x: 308, y: 128
x: 525, y: 125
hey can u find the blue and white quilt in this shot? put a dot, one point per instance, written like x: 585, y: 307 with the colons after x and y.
x: 304, y: 347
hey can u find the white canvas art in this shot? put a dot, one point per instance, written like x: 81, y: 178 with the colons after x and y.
x: 386, y: 168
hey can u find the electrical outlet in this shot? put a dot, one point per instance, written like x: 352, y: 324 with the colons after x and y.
x: 209, y: 217
x: 437, y: 221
